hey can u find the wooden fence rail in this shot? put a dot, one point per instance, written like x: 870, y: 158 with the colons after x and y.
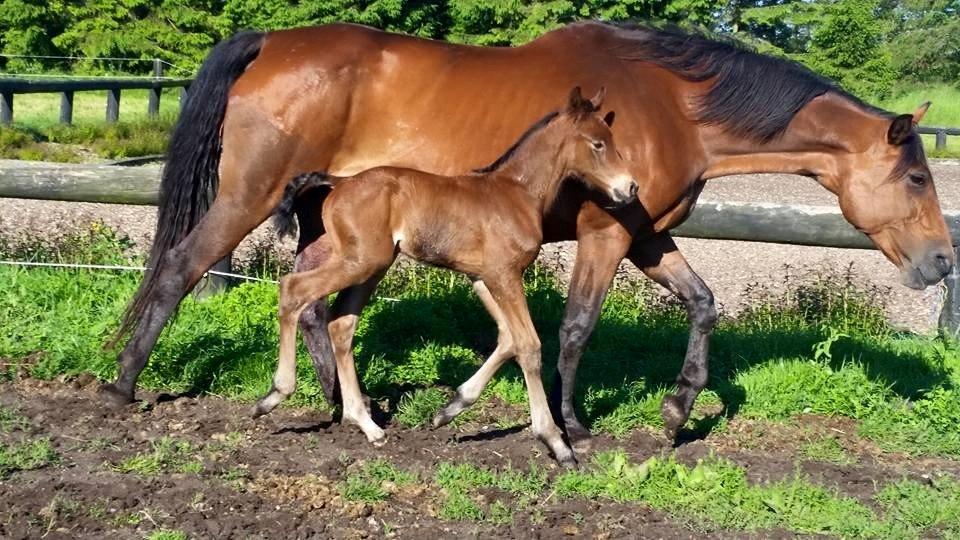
x: 11, y: 86
x: 940, y: 143
x: 793, y: 224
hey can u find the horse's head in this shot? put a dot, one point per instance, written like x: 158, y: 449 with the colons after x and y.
x: 887, y: 192
x: 589, y: 151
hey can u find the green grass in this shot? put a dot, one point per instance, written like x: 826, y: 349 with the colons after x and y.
x: 822, y: 346
x: 370, y: 483
x: 944, y: 112
x: 85, y: 142
x: 826, y: 449
x: 10, y: 420
x: 25, y: 456
x: 167, y: 534
x: 166, y: 455
x: 42, y: 111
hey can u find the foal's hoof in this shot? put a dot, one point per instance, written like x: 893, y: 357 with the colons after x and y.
x: 113, y: 397
x: 673, y: 417
x: 569, y: 463
x: 259, y: 410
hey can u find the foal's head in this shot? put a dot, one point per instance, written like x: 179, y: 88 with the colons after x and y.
x: 586, y: 150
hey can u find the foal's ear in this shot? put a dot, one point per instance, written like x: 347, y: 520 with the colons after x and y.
x: 597, y: 100
x: 576, y: 102
x: 921, y: 110
x: 609, y: 117
x: 900, y: 129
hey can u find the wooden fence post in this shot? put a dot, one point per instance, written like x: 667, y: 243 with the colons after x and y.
x: 941, y: 143
x: 113, y: 105
x: 6, y: 108
x: 153, y: 105
x: 66, y: 107
x: 950, y: 313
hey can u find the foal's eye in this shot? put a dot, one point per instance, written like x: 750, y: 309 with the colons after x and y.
x: 597, y: 145
x: 918, y: 180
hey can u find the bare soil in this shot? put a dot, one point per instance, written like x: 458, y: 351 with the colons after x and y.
x: 279, y: 476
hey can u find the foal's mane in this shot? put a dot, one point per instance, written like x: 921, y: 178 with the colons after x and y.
x: 502, y: 160
x: 753, y: 95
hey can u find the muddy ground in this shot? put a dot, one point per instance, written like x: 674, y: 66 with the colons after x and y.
x: 279, y: 477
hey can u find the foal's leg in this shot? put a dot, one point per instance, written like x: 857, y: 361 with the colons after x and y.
x: 507, y: 291
x: 342, y: 327
x: 599, y: 252
x: 468, y: 392
x: 297, y: 291
x: 659, y: 258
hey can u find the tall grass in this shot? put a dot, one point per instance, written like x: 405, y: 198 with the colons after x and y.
x: 944, y: 112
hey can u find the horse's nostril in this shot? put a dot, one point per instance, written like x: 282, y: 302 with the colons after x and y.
x: 942, y: 263
x: 633, y: 189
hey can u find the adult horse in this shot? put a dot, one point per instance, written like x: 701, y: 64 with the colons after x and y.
x: 343, y: 98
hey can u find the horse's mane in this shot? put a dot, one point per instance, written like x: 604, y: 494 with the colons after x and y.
x: 502, y: 160
x: 753, y: 95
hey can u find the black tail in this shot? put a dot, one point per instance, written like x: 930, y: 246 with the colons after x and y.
x: 283, y: 215
x: 190, y: 178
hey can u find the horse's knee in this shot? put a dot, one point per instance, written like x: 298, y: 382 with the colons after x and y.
x: 702, y: 310
x: 341, y: 333
x: 576, y: 328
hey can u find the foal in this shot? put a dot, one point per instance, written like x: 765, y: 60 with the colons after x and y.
x: 487, y: 225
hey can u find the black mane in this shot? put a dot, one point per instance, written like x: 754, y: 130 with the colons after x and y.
x: 753, y: 96
x: 500, y: 161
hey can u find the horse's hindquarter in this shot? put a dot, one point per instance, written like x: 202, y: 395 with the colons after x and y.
x: 344, y: 98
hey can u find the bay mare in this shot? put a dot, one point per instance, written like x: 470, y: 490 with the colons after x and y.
x: 266, y: 107
x: 488, y: 225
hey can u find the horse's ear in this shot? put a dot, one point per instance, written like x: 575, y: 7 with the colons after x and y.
x: 921, y: 110
x: 609, y: 117
x: 576, y: 101
x: 900, y: 129
x: 597, y: 100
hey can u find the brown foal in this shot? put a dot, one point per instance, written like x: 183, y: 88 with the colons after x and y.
x: 488, y: 225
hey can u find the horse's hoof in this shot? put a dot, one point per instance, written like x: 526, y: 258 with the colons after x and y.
x: 113, y: 397
x: 673, y: 417
x: 580, y: 438
x: 442, y: 418
x: 258, y: 410
x: 569, y: 463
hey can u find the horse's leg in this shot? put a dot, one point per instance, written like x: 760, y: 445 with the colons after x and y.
x: 468, y: 392
x: 659, y: 258
x: 507, y: 291
x: 599, y: 252
x: 327, y: 275
x: 220, y: 230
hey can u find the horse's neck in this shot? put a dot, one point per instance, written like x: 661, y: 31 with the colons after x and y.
x: 821, y: 134
x: 537, y: 167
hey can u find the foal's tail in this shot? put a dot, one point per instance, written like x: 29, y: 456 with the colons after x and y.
x: 283, y: 215
x: 190, y: 177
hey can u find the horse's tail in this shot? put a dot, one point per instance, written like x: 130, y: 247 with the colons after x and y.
x: 190, y: 177
x: 283, y: 215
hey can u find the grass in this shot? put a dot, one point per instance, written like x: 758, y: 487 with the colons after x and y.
x: 85, y: 142
x: 25, y: 456
x: 821, y: 346
x: 373, y: 481
x: 167, y: 455
x: 42, y: 111
x: 944, y: 112
x: 167, y: 534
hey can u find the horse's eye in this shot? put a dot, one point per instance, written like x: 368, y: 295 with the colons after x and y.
x: 597, y: 145
x: 918, y: 180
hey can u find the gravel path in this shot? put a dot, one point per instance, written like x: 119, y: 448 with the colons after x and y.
x: 727, y: 266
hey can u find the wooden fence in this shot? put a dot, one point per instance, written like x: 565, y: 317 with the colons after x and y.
x: 940, y: 142
x: 11, y: 86
x: 794, y: 224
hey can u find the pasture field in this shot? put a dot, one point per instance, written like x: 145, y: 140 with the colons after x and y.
x: 818, y: 418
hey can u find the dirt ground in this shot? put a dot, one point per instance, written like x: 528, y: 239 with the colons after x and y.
x: 278, y: 477
x: 728, y: 267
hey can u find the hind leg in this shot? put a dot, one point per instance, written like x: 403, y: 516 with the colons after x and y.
x: 218, y: 232
x: 468, y: 392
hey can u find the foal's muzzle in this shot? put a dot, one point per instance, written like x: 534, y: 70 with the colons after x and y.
x: 626, y: 194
